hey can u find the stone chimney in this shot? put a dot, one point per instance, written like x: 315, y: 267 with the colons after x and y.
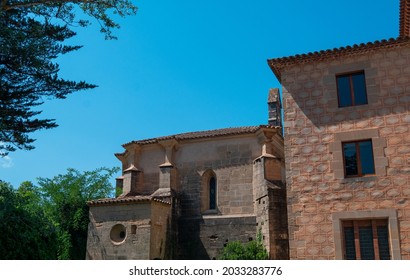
x: 274, y: 107
x: 404, y: 18
x: 131, y: 182
x: 269, y: 191
x: 168, y: 172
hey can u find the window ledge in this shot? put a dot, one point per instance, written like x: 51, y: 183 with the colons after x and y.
x: 352, y: 107
x: 210, y: 212
x: 359, y: 179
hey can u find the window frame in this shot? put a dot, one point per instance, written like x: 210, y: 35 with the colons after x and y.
x: 358, y: 158
x: 393, y: 227
x: 351, y: 87
x: 374, y: 223
x: 205, y: 193
x: 379, y: 144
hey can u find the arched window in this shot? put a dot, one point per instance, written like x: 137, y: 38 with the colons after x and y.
x: 212, y: 193
x: 209, y: 192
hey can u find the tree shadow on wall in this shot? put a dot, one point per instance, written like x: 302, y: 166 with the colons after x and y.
x: 190, y: 246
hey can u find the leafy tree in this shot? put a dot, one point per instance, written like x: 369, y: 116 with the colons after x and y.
x: 234, y: 250
x: 32, y: 33
x: 64, y: 199
x: 50, y: 221
x: 26, y: 232
x: 253, y: 250
x: 31, y: 196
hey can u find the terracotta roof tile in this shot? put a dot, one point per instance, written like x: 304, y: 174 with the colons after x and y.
x: 203, y: 134
x: 128, y: 200
x: 278, y: 64
x: 160, y: 195
x: 119, y: 200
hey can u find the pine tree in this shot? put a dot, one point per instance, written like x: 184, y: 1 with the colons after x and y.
x: 32, y: 35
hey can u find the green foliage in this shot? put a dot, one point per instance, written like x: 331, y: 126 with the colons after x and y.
x: 31, y: 38
x: 26, y: 232
x: 253, y: 250
x: 50, y: 221
x: 64, y: 201
x: 28, y: 75
x: 234, y: 250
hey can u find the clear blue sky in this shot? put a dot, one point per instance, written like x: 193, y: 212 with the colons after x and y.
x: 185, y: 65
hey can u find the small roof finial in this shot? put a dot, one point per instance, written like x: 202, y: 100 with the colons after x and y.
x: 274, y: 107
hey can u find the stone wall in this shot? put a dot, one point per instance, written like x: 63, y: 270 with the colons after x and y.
x: 270, y: 206
x: 278, y: 223
x: 136, y: 222
x: 162, y: 239
x: 204, y: 238
x: 202, y: 234
x: 314, y: 129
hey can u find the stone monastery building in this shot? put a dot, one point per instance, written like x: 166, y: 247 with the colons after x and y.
x: 337, y: 186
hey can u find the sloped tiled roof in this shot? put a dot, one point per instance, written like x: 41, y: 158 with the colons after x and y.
x: 128, y: 200
x: 119, y: 200
x: 203, y: 134
x: 278, y: 64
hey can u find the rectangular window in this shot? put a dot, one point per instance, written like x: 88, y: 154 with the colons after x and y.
x: 358, y: 158
x: 365, y: 240
x: 133, y: 229
x: 351, y: 89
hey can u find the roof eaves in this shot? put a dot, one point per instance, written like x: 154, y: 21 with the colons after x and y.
x: 202, y: 134
x: 278, y: 64
x: 119, y: 200
x: 166, y: 199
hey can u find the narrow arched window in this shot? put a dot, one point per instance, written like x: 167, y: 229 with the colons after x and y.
x: 212, y: 193
x: 208, y: 192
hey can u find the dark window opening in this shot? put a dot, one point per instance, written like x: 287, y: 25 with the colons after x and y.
x: 212, y: 193
x: 358, y: 158
x: 351, y: 89
x: 366, y: 240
